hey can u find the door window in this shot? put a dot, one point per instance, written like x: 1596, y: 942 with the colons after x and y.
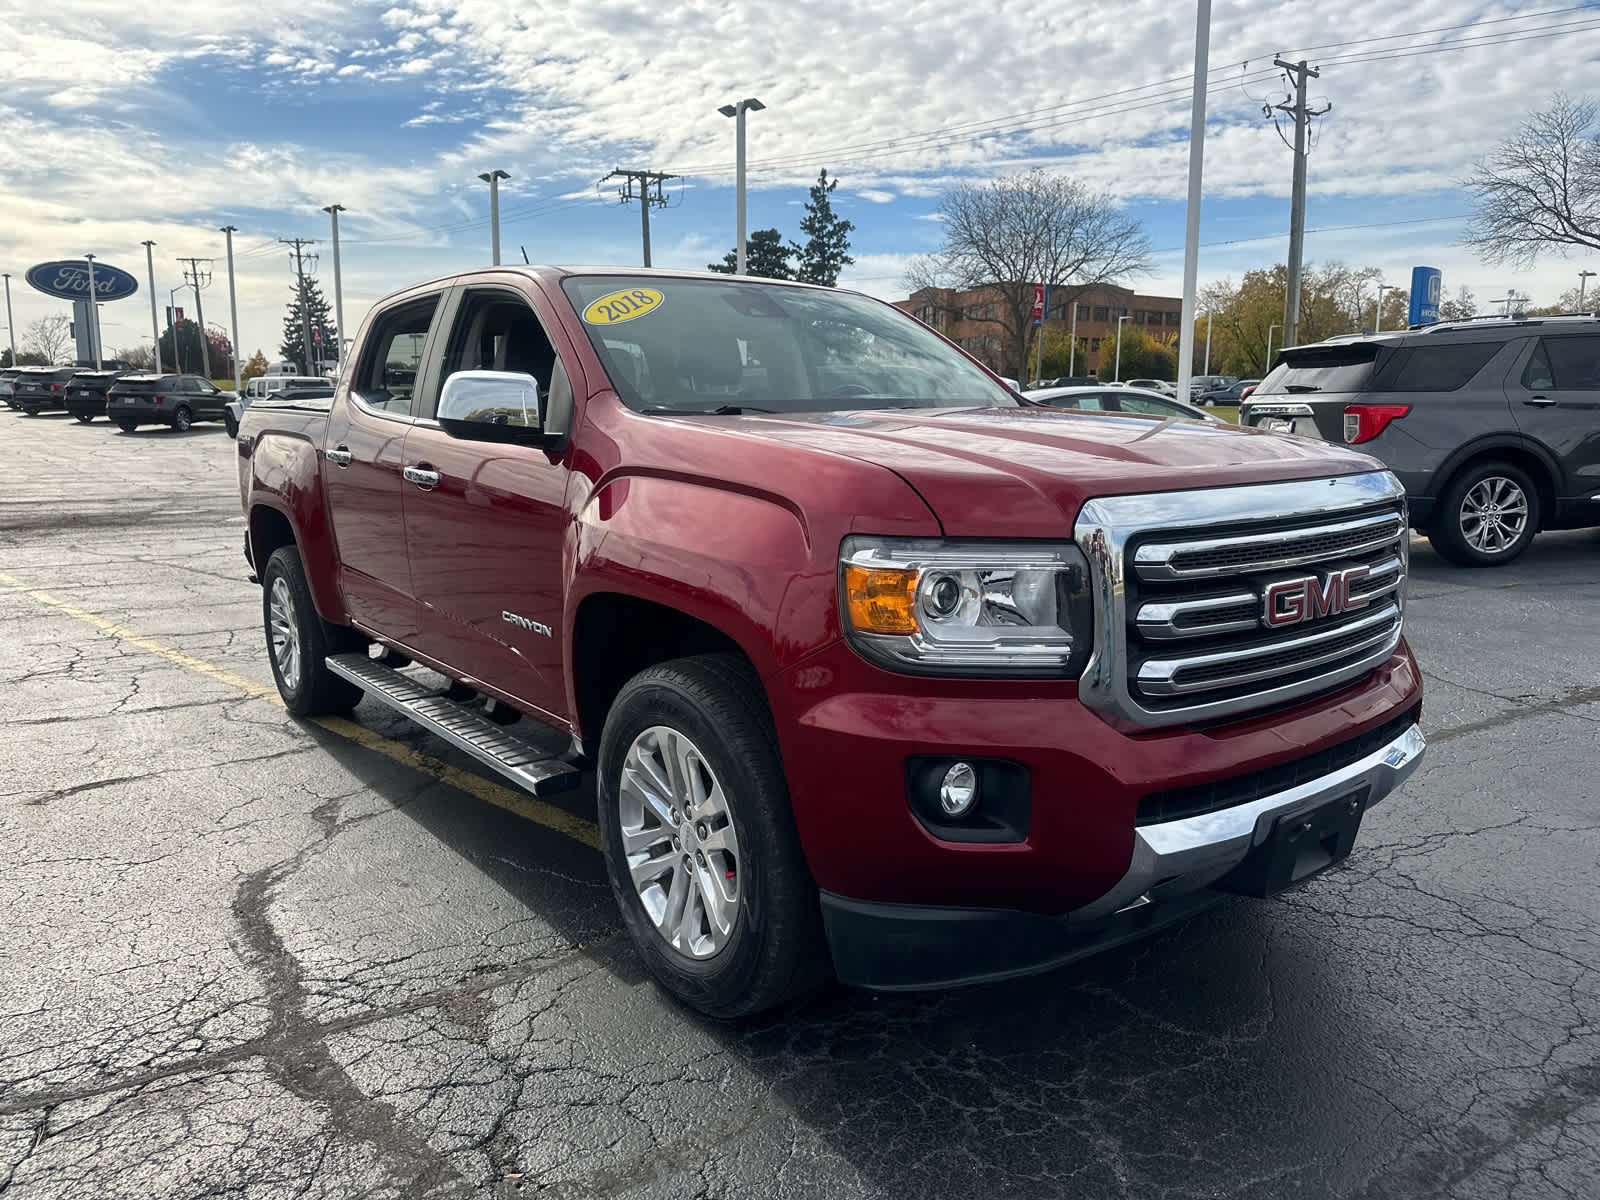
x: 497, y: 331
x: 1148, y: 406
x: 386, y: 376
x: 1564, y: 364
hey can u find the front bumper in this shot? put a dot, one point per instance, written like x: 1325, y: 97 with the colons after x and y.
x: 1172, y: 874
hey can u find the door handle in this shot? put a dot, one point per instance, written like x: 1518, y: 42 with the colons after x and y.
x: 340, y: 456
x: 1539, y: 402
x: 422, y: 476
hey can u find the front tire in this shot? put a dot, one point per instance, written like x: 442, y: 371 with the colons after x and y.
x: 182, y: 419
x: 1486, y: 516
x: 127, y: 426
x: 86, y: 418
x: 700, y: 842
x: 299, y: 641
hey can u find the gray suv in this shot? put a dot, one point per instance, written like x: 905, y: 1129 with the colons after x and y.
x: 1492, y: 425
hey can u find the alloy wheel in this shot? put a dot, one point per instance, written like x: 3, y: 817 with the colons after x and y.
x: 1494, y: 514
x: 681, y: 846
x: 284, y: 632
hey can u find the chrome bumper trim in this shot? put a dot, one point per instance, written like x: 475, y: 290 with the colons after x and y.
x: 1175, y: 857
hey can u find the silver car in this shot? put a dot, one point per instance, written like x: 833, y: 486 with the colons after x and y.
x: 1128, y: 400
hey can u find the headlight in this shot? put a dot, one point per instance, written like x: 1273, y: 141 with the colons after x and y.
x: 967, y: 608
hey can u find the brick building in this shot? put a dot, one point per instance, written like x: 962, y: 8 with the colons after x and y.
x: 972, y: 319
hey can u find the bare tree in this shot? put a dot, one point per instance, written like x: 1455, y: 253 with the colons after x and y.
x: 1540, y: 189
x: 1010, y: 234
x: 50, y: 338
x: 140, y: 357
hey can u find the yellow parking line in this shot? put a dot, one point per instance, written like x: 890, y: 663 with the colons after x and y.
x: 519, y: 802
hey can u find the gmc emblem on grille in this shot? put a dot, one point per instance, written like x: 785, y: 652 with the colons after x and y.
x: 1307, y: 597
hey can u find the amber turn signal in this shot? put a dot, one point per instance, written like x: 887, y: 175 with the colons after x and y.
x: 880, y: 600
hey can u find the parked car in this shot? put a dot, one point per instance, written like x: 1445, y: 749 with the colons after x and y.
x: 86, y: 393
x: 175, y: 400
x: 1071, y: 381
x: 43, y: 389
x: 1227, y: 394
x: 275, y: 387
x: 1160, y: 386
x: 1492, y: 426
x: 1128, y: 400
x: 880, y: 667
x: 7, y: 378
x: 1199, y: 385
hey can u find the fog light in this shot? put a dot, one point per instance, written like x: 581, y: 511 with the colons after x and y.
x: 959, y: 791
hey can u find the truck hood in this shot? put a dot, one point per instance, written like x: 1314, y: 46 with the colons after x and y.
x: 1025, y: 472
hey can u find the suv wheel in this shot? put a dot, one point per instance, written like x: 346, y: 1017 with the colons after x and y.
x: 700, y: 842
x: 1487, y: 515
x: 85, y: 417
x: 182, y: 419
x: 299, y: 641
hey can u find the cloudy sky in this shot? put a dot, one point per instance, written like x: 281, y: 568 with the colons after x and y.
x: 123, y: 120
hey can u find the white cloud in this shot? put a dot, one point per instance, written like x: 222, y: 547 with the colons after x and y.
x: 352, y: 69
x: 876, y: 195
x: 415, y: 66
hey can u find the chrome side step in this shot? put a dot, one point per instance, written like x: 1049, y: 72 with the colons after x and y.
x: 524, y: 765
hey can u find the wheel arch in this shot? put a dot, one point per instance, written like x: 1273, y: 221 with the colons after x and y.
x: 1532, y: 458
x: 270, y: 529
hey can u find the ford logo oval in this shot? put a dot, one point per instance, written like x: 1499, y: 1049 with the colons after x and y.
x: 69, y: 280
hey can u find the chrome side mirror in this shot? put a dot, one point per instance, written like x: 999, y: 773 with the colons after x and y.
x: 492, y: 406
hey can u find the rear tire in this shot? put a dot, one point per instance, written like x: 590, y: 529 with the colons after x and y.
x: 85, y: 417
x: 127, y: 426
x: 182, y: 419
x: 1486, y: 516
x: 232, y: 425
x: 299, y: 641
x: 724, y: 839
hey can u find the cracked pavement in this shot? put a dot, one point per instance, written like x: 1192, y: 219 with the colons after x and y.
x: 242, y: 956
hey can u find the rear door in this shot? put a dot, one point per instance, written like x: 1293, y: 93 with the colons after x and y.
x: 362, y: 463
x: 487, y: 537
x: 1555, y: 399
x: 210, y: 400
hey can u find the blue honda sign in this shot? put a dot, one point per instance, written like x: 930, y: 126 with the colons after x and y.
x: 1426, y: 283
x: 69, y: 280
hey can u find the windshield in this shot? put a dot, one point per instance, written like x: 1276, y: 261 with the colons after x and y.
x: 709, y: 345
x: 1337, y: 368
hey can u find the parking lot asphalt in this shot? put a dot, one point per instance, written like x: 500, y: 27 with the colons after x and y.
x: 246, y: 956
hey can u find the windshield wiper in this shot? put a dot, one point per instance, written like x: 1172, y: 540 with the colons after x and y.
x: 722, y: 410
x: 1301, y: 387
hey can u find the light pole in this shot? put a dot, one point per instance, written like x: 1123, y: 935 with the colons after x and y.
x: 333, y: 210
x: 1583, y: 286
x: 11, y: 326
x: 1206, y: 370
x: 94, y: 314
x: 155, y: 325
x: 233, y: 312
x: 1377, y: 309
x: 1270, y: 328
x: 737, y: 111
x: 172, y: 324
x: 492, y: 178
x: 1116, y: 376
x: 1072, y: 341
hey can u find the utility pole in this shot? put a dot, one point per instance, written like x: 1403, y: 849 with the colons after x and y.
x: 1297, y: 204
x: 94, y: 313
x: 1583, y: 286
x: 11, y: 326
x: 233, y: 312
x: 299, y: 255
x: 644, y: 181
x: 155, y: 324
x: 333, y: 210
x: 199, y: 277
x: 1191, y: 235
x: 492, y: 178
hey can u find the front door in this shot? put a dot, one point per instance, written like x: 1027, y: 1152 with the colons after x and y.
x: 361, y: 470
x: 486, y: 541
x: 1556, y: 402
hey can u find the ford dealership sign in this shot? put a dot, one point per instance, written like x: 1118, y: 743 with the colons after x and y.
x: 69, y: 280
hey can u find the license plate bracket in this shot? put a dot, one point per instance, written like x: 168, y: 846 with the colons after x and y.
x: 1299, y: 847
x: 1277, y: 424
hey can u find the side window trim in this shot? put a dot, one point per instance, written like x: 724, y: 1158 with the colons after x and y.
x: 554, y: 334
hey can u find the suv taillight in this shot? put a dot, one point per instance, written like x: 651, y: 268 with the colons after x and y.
x: 159, y: 397
x: 1363, y: 422
x: 55, y: 387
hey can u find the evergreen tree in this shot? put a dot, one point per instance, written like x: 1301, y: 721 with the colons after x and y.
x: 764, y: 255
x: 827, y: 248
x: 313, y: 304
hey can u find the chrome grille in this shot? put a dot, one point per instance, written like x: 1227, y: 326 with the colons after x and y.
x: 1182, y: 594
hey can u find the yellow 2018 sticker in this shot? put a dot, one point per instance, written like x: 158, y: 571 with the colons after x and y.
x: 622, y: 306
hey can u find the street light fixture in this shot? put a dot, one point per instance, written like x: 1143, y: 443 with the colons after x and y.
x: 333, y: 210
x: 1377, y: 309
x: 492, y: 178
x: 1270, y: 328
x: 737, y: 111
x: 1116, y: 375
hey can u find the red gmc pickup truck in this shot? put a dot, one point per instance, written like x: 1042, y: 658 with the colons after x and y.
x: 880, y: 669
